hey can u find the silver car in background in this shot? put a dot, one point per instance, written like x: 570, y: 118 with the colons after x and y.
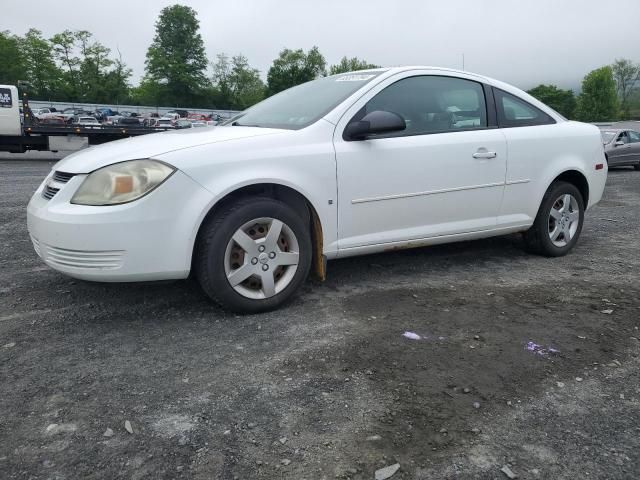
x: 622, y: 147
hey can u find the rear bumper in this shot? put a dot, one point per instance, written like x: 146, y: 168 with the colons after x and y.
x: 149, y: 239
x: 597, y: 183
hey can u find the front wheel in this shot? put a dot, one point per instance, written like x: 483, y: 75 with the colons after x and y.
x: 558, y: 223
x: 253, y: 255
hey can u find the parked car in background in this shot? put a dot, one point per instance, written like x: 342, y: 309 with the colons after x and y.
x: 52, y: 119
x: 622, y: 147
x: 344, y: 165
x: 183, y: 123
x: 150, y: 119
x: 105, y: 113
x: 87, y: 121
x: 113, y: 119
x: 130, y: 120
x: 201, y: 117
x: 46, y: 113
x: 68, y: 114
x: 166, y: 122
x: 39, y: 112
x: 180, y: 113
x: 126, y: 113
x: 168, y: 119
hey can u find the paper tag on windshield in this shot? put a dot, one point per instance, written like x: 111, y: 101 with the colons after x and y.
x: 354, y: 78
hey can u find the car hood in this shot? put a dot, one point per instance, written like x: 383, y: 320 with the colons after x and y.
x: 154, y: 144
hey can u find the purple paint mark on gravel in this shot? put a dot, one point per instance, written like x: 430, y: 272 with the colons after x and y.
x: 411, y: 336
x: 540, y: 349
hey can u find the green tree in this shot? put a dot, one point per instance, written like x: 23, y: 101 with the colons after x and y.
x: 238, y: 84
x: 94, y: 68
x: 626, y: 75
x: 64, y: 49
x: 350, y: 65
x: 598, y: 101
x: 89, y: 74
x: 42, y: 72
x: 221, y: 74
x: 634, y: 104
x: 176, y: 60
x: 246, y: 85
x: 148, y: 93
x: 293, y: 67
x: 12, y: 66
x: 562, y: 101
x: 116, y: 82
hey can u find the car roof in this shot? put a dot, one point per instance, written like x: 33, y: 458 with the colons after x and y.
x: 387, y: 72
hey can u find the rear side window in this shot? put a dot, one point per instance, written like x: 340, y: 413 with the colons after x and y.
x: 515, y: 112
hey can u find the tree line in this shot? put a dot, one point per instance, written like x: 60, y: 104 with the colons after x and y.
x: 72, y: 66
x: 608, y: 93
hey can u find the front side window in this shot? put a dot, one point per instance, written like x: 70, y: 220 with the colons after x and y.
x: 634, y: 137
x: 431, y: 104
x: 515, y: 112
x: 623, y: 137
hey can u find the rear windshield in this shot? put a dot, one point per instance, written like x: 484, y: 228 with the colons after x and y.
x: 301, y: 106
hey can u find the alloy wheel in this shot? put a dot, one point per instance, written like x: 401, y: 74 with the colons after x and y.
x: 261, y: 258
x: 564, y: 219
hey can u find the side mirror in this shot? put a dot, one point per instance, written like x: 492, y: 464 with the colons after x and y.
x: 372, y: 123
x: 619, y: 143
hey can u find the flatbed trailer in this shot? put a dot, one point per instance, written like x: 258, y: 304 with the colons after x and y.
x: 18, y: 135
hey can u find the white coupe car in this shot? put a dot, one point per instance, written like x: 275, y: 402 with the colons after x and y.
x: 344, y: 165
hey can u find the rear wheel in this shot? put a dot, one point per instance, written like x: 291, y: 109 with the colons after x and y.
x: 253, y: 255
x: 558, y: 223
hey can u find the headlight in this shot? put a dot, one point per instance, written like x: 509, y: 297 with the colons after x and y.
x: 121, y: 182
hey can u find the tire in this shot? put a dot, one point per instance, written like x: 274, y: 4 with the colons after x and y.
x: 538, y: 239
x: 219, y: 259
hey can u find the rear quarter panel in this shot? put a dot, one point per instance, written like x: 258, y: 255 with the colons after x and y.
x: 538, y: 155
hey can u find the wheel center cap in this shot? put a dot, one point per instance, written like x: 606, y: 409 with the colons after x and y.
x: 263, y: 258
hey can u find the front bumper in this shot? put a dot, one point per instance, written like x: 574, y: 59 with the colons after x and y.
x: 148, y: 239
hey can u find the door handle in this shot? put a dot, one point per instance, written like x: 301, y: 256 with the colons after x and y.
x: 484, y: 155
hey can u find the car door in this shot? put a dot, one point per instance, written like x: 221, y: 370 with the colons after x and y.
x: 443, y: 175
x: 634, y: 143
x: 620, y: 153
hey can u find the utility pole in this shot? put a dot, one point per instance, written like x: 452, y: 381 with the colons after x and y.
x: 463, y: 62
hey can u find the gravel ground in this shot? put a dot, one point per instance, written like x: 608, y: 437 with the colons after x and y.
x: 328, y: 387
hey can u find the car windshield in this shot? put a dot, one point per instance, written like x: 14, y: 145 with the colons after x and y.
x: 608, y: 136
x: 301, y: 106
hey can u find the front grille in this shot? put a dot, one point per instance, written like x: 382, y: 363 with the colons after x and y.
x: 49, y: 192
x: 62, y: 177
x: 59, y: 177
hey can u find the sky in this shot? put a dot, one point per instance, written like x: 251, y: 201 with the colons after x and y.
x: 522, y: 42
